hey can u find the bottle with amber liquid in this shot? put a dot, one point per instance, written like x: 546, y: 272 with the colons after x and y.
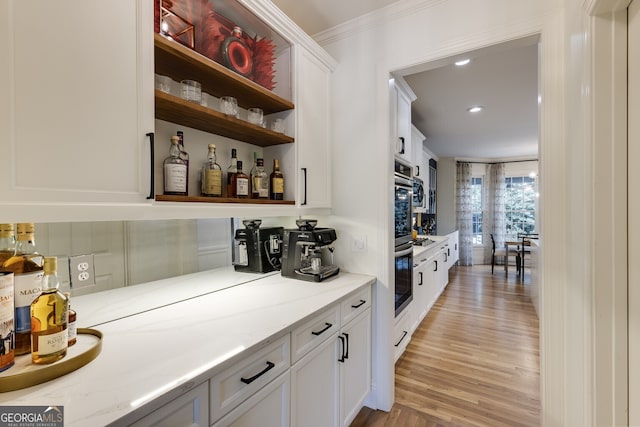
x: 276, y: 182
x: 175, y: 171
x: 232, y: 170
x: 240, y: 183
x: 260, y: 182
x: 6, y: 321
x: 184, y: 156
x: 7, y: 242
x: 49, y: 318
x: 27, y: 266
x: 211, y: 175
x: 71, y: 326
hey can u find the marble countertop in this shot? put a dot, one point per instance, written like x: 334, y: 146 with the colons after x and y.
x: 151, y: 357
x: 419, y: 250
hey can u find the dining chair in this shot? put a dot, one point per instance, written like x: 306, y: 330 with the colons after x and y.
x: 525, y: 238
x: 501, y: 253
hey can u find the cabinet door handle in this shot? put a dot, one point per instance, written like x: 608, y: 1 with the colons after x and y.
x: 152, y: 157
x: 417, y: 170
x: 327, y: 325
x: 402, y: 145
x: 446, y: 257
x: 420, y: 273
x: 449, y: 251
x: 401, y: 339
x: 341, y: 338
x: 360, y: 304
x: 304, y: 171
x: 270, y: 365
x: 436, y: 269
x: 346, y: 353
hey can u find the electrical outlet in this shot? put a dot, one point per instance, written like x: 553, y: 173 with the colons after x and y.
x: 359, y: 243
x: 81, y: 271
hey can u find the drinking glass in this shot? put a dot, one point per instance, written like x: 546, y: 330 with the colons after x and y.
x: 229, y: 105
x: 191, y: 91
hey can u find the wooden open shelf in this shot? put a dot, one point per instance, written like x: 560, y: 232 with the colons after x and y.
x: 199, y: 199
x: 179, y: 62
x: 177, y: 110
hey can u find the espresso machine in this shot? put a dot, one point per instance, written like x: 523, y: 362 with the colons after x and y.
x: 259, y: 249
x: 306, y: 253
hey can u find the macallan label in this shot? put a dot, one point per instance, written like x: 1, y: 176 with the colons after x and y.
x: 175, y: 178
x: 27, y: 287
x: 52, y: 343
x: 278, y: 185
x: 213, y: 181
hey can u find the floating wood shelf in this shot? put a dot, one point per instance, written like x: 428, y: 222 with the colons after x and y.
x: 177, y: 110
x: 197, y: 199
x: 179, y: 62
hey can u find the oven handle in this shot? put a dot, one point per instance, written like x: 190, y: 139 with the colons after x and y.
x: 404, y: 252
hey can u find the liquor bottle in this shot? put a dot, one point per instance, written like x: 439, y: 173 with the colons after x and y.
x: 183, y: 155
x: 71, y: 326
x: 26, y: 265
x: 6, y: 321
x: 260, y: 182
x: 212, y: 175
x: 49, y: 318
x: 175, y: 171
x: 252, y: 172
x: 240, y: 183
x: 7, y: 242
x: 232, y: 170
x: 276, y: 182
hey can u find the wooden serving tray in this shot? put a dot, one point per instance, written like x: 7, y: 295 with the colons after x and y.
x: 25, y: 374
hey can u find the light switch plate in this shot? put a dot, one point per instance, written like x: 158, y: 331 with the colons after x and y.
x: 81, y: 271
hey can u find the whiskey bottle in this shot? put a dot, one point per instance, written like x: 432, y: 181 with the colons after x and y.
x: 26, y: 265
x: 7, y: 242
x: 49, y: 318
x: 240, y: 183
x: 212, y: 175
x: 175, y: 171
x: 183, y: 155
x: 276, y: 182
x: 232, y: 170
x: 252, y: 172
x: 6, y: 321
x: 71, y: 325
x: 260, y: 182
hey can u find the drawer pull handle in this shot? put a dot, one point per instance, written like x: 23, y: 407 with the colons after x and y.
x: 326, y: 327
x: 341, y: 338
x: 346, y: 353
x: 401, y: 339
x: 362, y: 302
x: 270, y: 365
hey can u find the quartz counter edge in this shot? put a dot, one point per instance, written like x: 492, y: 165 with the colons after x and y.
x: 150, y: 358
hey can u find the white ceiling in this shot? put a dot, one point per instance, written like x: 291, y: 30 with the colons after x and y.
x: 502, y: 78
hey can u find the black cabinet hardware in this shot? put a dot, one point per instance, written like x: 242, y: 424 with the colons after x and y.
x: 304, y: 201
x: 417, y: 170
x: 420, y: 274
x: 402, y: 146
x: 401, y: 339
x: 327, y: 325
x: 270, y: 365
x: 342, y: 341
x: 346, y: 353
x: 152, y: 156
x: 436, y: 262
x: 362, y: 302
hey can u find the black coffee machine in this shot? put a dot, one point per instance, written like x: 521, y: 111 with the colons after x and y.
x: 259, y: 249
x: 304, y: 252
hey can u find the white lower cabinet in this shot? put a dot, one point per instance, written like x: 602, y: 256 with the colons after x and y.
x: 269, y: 407
x: 189, y: 410
x: 402, y: 332
x: 421, y: 279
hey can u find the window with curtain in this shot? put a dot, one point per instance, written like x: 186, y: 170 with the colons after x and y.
x: 520, y: 205
x: 476, y: 210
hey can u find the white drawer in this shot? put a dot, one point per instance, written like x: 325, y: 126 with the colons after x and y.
x: 355, y: 304
x: 236, y: 383
x: 402, y: 332
x: 305, y: 337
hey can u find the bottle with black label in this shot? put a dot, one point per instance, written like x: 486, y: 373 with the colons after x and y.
x: 231, y: 171
x: 27, y: 266
x: 183, y: 155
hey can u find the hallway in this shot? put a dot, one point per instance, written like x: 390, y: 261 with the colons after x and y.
x: 473, y: 361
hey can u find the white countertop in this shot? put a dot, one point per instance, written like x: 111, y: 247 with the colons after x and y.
x: 152, y: 357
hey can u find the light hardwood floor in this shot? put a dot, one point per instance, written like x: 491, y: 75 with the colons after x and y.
x: 474, y: 359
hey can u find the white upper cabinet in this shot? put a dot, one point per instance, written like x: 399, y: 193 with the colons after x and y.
x: 419, y: 169
x: 401, y: 97
x: 314, y: 130
x: 76, y: 85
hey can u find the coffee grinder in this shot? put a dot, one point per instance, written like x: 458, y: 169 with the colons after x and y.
x: 259, y: 249
x: 306, y: 253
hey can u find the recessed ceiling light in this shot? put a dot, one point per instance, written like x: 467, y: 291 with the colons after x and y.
x: 462, y: 62
x: 475, y: 109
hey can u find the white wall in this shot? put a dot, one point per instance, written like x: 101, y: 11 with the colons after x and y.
x: 406, y: 34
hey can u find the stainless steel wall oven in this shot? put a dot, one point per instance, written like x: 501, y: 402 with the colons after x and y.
x: 403, y: 257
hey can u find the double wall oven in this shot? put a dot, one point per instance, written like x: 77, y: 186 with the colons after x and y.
x: 403, y: 212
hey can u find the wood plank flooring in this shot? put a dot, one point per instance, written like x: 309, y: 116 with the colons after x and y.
x: 473, y: 361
